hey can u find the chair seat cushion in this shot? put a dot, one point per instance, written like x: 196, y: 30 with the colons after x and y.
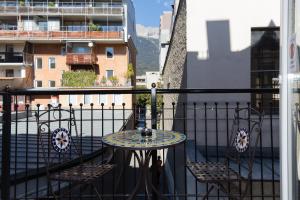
x: 212, y: 172
x: 83, y: 172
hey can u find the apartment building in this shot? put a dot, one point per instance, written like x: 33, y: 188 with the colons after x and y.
x: 41, y: 41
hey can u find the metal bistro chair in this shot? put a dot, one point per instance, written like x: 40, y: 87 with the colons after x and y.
x: 65, y: 163
x: 233, y: 176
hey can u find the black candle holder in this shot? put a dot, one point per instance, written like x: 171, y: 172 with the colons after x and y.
x: 146, y: 132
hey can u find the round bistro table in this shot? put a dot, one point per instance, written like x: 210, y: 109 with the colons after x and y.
x: 133, y: 140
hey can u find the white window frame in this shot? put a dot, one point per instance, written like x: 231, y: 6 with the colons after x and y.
x: 118, y: 102
x: 90, y: 99
x: 49, y: 62
x: 113, y: 73
x: 105, y: 96
x: 36, y: 62
x: 36, y: 85
x: 21, y: 99
x: 113, y: 52
x: 13, y: 73
x: 75, y: 99
x: 49, y: 83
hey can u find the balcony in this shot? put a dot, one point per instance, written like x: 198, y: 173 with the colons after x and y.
x: 12, y: 8
x: 205, y: 121
x: 61, y: 33
x: 13, y: 82
x: 15, y: 57
x: 81, y: 59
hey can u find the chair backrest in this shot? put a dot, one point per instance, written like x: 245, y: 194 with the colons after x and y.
x: 58, y: 135
x: 244, y: 140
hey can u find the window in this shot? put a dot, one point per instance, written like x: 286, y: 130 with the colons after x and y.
x: 103, y: 99
x: 51, y: 83
x: 118, y: 99
x: 39, y: 63
x: 9, y: 48
x: 21, y: 99
x: 79, y: 48
x: 43, y: 26
x: 38, y: 84
x: 88, y: 99
x: 109, y: 52
x: 73, y: 99
x: 9, y: 73
x: 51, y: 63
x: 63, y: 51
x: 109, y: 73
x: 265, y: 66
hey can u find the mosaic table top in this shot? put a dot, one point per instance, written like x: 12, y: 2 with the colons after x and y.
x: 132, y: 139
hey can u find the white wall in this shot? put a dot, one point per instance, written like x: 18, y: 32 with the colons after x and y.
x: 130, y: 19
x: 219, y: 39
x: 152, y: 77
x: 162, y: 57
x: 242, y: 15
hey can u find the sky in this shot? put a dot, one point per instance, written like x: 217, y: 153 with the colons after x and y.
x: 147, y: 12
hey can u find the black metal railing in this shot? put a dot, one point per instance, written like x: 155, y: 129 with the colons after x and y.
x: 204, y: 115
x: 11, y: 57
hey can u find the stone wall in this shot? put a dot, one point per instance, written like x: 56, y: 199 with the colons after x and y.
x: 174, y: 77
x: 174, y: 72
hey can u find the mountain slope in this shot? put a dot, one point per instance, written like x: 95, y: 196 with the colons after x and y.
x: 148, y: 54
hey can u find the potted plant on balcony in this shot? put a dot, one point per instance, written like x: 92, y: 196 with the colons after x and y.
x: 21, y: 2
x: 94, y: 30
x: 114, y: 80
x: 51, y: 4
x: 103, y: 81
x: 129, y: 74
x: 93, y: 27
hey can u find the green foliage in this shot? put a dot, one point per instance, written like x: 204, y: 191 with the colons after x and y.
x: 94, y: 27
x: 103, y: 80
x: 114, y: 80
x: 21, y: 2
x: 78, y: 78
x: 145, y: 99
x: 51, y: 4
x: 130, y: 72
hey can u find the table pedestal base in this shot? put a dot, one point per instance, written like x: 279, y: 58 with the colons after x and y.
x: 144, y: 176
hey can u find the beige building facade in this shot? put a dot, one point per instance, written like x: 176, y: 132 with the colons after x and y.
x: 38, y: 47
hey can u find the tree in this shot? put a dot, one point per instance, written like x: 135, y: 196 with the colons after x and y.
x: 145, y: 99
x: 130, y: 72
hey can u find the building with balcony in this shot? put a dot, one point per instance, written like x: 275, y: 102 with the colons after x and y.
x: 42, y: 40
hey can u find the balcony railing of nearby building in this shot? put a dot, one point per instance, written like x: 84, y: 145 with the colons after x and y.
x: 15, y: 57
x: 11, y: 32
x: 14, y: 82
x: 206, y: 124
x: 11, y: 57
x: 81, y: 59
x: 62, y: 8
